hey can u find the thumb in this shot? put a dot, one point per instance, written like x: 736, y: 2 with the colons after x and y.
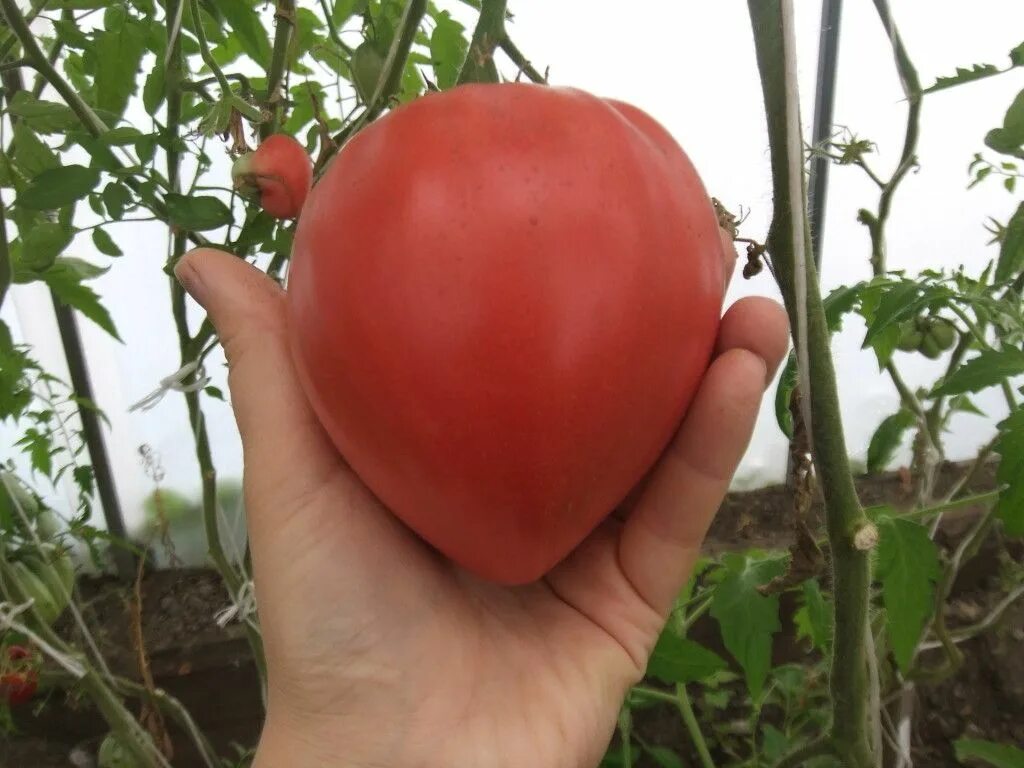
x: 274, y: 418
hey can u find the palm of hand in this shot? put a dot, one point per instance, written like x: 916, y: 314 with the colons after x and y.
x: 379, y: 652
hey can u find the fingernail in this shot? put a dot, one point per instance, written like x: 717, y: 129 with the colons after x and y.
x: 190, y: 279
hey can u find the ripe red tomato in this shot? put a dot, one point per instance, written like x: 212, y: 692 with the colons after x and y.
x: 502, y: 300
x: 279, y: 171
x: 19, y: 678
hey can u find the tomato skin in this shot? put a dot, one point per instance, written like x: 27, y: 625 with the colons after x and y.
x: 279, y: 171
x: 502, y: 300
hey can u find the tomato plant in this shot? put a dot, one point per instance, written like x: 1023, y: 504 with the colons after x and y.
x: 506, y: 357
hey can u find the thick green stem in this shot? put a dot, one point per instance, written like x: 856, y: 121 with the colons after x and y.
x: 479, y: 66
x: 844, y: 516
x: 285, y: 25
x: 693, y: 727
x: 11, y: 39
x: 626, y: 736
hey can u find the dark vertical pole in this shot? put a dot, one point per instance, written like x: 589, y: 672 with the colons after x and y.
x: 824, y: 104
x: 93, y: 434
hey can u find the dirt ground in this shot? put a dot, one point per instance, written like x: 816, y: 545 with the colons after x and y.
x: 209, y: 669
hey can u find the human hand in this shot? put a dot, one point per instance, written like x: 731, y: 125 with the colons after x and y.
x: 382, y: 653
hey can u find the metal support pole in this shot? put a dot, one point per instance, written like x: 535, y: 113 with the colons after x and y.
x: 824, y: 106
x: 93, y: 434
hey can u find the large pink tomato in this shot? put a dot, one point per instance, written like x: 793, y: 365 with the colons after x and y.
x: 502, y: 300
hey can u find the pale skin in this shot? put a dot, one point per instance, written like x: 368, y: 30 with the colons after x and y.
x: 380, y: 654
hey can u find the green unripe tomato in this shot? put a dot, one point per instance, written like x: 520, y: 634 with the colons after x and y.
x: 930, y: 348
x: 910, y: 338
x: 34, y: 588
x: 943, y: 332
x: 367, y: 64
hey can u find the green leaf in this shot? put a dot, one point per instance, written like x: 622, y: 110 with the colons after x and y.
x: 784, y: 395
x: 249, y: 30
x: 448, y: 48
x: 1009, y: 139
x: 985, y: 370
x: 1011, y: 252
x: 1010, y: 473
x: 43, y: 243
x: 69, y: 33
x: 215, y: 121
x: 31, y: 154
x: 964, y: 75
x: 887, y: 439
x: 813, y: 618
x: 65, y: 280
x: 116, y: 198
x: 197, y: 213
x: 120, y: 46
x: 896, y: 302
x: 747, y: 618
x: 42, y: 116
x: 840, y: 302
x: 996, y: 755
x: 964, y: 404
x: 908, y: 565
x: 58, y: 187
x: 664, y: 757
x: 679, y: 660
x: 1017, y: 56
x: 105, y: 243
x: 122, y: 135
x: 346, y: 9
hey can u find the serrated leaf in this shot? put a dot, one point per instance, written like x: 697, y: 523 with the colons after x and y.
x: 249, y: 30
x: 43, y: 243
x: 116, y: 198
x: 986, y: 370
x: 964, y: 404
x: 887, y: 439
x: 197, y: 213
x: 121, y: 45
x: 58, y: 187
x: 1010, y: 474
x: 66, y: 283
x: 1011, y: 251
x: 679, y: 660
x: 346, y: 9
x: 69, y: 33
x: 747, y: 618
x: 908, y: 565
x: 31, y: 154
x: 1009, y: 139
x: 784, y: 395
x: 840, y: 302
x: 448, y: 48
x: 42, y: 116
x: 813, y: 618
x: 964, y: 75
x: 994, y: 754
x: 105, y: 243
x: 896, y: 302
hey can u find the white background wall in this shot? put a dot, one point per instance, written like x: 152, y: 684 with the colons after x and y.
x: 692, y: 67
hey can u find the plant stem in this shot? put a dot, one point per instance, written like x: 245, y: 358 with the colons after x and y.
x: 912, y: 90
x: 692, y: 726
x: 204, y: 51
x: 844, y: 516
x: 11, y: 39
x: 479, y: 65
x: 332, y: 28
x: 284, y: 26
x: 654, y: 693
x: 626, y: 736
x: 512, y: 51
x: 391, y: 76
x: 195, y: 85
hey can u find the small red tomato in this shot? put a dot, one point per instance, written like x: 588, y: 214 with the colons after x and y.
x: 18, y: 652
x: 279, y: 171
x: 18, y: 687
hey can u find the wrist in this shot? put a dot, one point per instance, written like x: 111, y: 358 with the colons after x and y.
x: 292, y: 741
